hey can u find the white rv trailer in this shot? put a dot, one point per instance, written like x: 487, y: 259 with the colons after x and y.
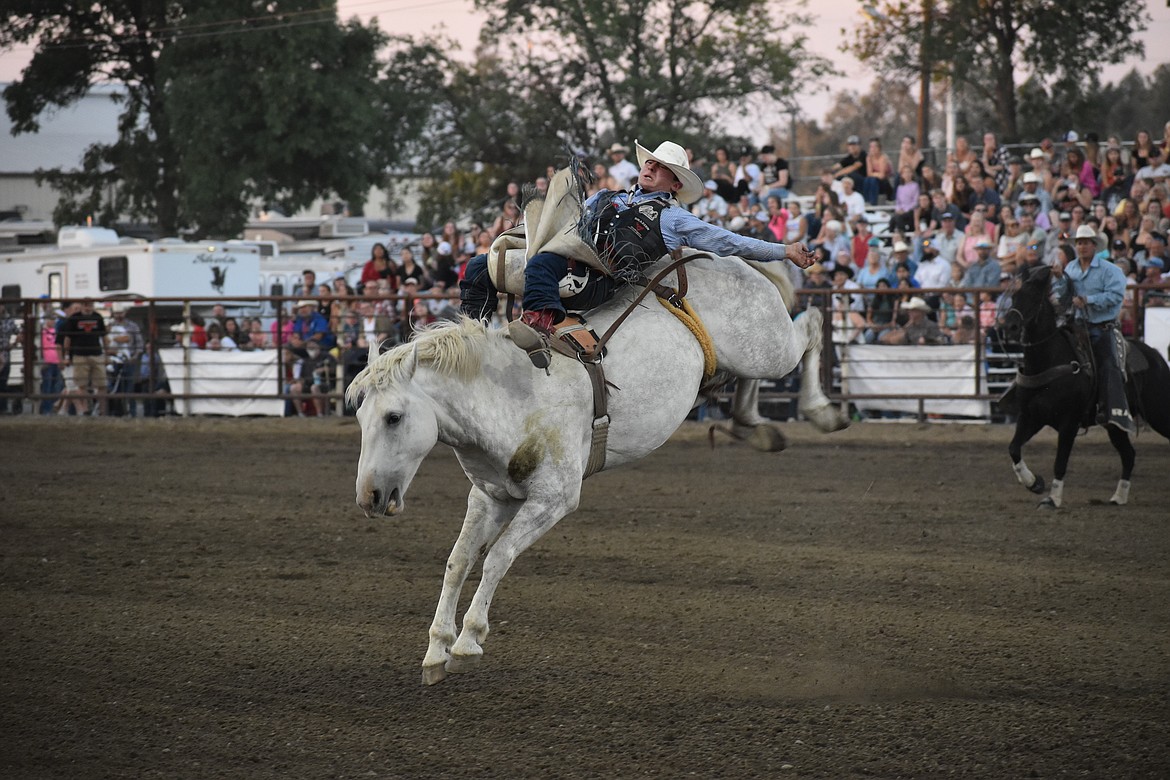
x: 96, y: 263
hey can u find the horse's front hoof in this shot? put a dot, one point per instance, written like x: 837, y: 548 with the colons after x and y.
x: 434, y: 674
x: 1038, y: 486
x: 1048, y: 503
x: 462, y: 664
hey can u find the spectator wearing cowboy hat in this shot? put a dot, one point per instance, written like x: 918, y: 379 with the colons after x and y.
x: 633, y: 229
x: 311, y: 325
x: 848, y: 308
x: 1097, y: 294
x: 623, y: 172
x: 1032, y: 189
x: 919, y: 328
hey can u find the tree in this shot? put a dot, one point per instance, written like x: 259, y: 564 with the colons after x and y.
x: 225, y: 101
x: 980, y: 45
x: 659, y: 67
x: 557, y: 76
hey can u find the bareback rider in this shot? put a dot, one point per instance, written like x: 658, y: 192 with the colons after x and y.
x: 1098, y: 290
x: 632, y: 230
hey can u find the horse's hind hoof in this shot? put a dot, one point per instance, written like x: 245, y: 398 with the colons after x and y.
x: 434, y: 674
x: 767, y: 438
x: 827, y: 418
x: 1038, y: 486
x: 462, y: 664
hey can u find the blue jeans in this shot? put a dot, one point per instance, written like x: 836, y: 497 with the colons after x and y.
x: 476, y: 291
x: 542, y: 278
x: 52, y: 383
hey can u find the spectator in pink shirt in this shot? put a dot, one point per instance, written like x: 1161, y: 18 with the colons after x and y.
x: 280, y: 338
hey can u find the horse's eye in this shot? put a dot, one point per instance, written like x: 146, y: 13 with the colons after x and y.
x: 393, y: 418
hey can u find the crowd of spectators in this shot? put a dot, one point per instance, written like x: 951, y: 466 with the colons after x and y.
x: 972, y: 221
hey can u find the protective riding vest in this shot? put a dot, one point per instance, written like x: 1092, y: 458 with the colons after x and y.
x: 628, y: 241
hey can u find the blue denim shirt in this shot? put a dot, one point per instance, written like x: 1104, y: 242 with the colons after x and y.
x: 682, y: 228
x: 1102, y: 286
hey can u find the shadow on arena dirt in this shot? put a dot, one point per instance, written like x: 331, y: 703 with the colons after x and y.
x: 202, y: 598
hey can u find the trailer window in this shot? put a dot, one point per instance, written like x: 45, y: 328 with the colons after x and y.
x: 113, y: 273
x: 10, y: 292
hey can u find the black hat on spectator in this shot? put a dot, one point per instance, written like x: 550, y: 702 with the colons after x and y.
x: 767, y: 149
x: 1016, y: 160
x: 1154, y: 234
x: 1118, y: 244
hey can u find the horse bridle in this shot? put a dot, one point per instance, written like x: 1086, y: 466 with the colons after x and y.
x: 1023, y: 324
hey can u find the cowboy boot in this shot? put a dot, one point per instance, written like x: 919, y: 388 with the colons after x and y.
x: 531, y: 333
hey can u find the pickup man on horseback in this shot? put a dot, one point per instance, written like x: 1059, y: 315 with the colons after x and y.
x: 629, y: 231
x: 1098, y: 290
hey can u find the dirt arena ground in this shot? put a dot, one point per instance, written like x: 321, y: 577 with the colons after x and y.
x: 202, y: 599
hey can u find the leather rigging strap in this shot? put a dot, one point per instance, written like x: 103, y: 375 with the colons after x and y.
x: 655, y: 286
x: 591, y: 359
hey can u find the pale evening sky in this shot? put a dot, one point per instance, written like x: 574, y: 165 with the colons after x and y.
x: 459, y: 20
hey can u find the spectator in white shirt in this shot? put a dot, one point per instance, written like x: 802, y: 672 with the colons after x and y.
x: 711, y: 207
x: 853, y: 201
x: 623, y: 172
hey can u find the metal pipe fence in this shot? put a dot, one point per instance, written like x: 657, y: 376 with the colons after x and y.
x: 175, y: 378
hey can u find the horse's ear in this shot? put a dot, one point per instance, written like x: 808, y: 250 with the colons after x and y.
x: 1039, y: 274
x: 411, y: 363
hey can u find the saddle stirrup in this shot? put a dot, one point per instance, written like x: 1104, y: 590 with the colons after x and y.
x: 531, y: 333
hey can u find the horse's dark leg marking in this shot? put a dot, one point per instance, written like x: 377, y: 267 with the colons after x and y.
x: 1124, y: 447
x: 1066, y: 438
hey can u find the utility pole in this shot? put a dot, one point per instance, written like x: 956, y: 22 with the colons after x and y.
x: 924, y: 77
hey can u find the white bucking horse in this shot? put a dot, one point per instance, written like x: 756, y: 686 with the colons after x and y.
x: 523, y: 437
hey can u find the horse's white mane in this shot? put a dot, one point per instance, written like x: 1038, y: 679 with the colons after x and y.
x: 450, y: 348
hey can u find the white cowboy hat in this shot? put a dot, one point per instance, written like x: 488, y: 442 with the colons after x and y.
x: 617, y: 147
x: 917, y: 304
x: 305, y: 302
x: 674, y: 157
x: 1086, y: 231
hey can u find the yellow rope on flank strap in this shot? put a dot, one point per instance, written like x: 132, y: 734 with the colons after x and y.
x: 687, y: 316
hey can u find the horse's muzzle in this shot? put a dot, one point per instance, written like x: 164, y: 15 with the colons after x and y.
x: 377, y: 503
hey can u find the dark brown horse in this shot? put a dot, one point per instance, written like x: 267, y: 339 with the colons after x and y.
x: 1055, y: 387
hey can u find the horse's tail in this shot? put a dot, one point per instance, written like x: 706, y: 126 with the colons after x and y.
x: 1152, y: 389
x: 777, y: 275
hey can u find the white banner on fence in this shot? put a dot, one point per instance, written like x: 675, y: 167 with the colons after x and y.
x: 945, y: 370
x: 232, y: 373
x: 1157, y: 328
